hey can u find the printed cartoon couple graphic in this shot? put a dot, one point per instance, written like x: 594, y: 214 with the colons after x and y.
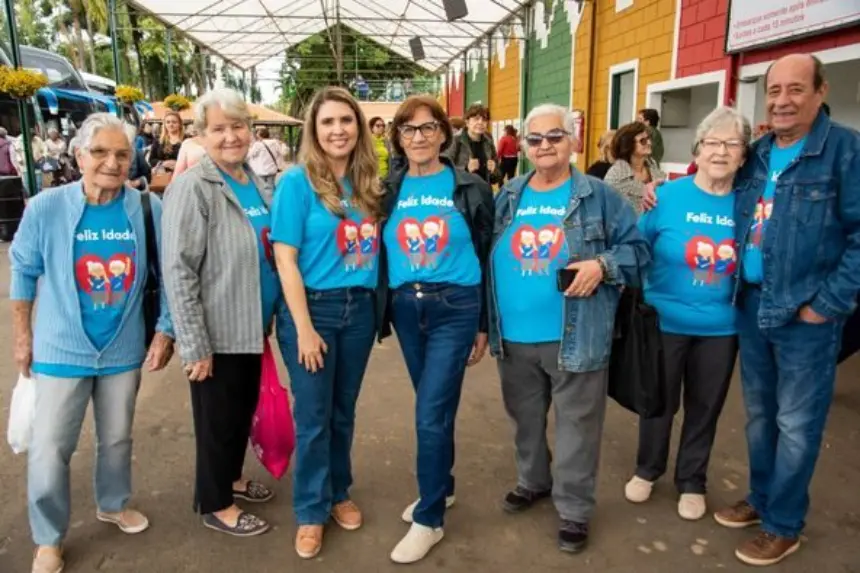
x: 358, y: 244
x: 763, y: 211
x: 423, y: 241
x: 536, y: 249
x: 107, y: 289
x: 710, y: 261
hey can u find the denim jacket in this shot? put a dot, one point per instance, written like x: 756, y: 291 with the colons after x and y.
x: 598, y: 222
x: 811, y: 250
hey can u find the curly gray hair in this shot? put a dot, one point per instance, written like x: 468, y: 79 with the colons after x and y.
x: 567, y: 117
x: 93, y: 125
x: 231, y: 103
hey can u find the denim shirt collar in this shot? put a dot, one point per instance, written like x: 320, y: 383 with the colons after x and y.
x: 815, y: 140
x: 582, y: 188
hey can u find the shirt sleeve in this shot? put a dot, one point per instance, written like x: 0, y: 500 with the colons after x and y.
x: 290, y: 208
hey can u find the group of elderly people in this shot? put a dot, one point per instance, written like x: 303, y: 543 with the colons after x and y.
x: 336, y: 258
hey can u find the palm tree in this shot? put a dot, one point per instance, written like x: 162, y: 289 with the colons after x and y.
x: 96, y: 17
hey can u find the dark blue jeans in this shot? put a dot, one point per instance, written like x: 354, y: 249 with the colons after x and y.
x: 436, y: 326
x: 788, y: 375
x: 324, y: 407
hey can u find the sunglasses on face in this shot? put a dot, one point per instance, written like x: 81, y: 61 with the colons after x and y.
x: 428, y: 129
x: 644, y: 141
x: 554, y: 137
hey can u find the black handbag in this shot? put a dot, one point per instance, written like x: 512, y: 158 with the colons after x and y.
x: 152, y: 288
x: 637, y: 371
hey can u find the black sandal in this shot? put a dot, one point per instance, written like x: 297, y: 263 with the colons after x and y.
x: 255, y: 492
x: 247, y: 525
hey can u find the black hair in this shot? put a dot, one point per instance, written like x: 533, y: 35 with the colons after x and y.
x: 652, y: 116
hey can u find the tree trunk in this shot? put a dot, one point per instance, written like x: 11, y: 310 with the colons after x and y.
x: 79, y: 40
x: 137, y: 38
x: 91, y: 34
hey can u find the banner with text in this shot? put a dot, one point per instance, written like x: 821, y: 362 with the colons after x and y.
x: 754, y: 23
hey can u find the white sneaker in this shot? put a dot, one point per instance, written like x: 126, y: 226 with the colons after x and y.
x: 692, y: 506
x: 638, y: 490
x: 417, y: 543
x: 407, y: 513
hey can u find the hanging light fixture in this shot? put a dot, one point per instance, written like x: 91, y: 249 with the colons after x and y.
x: 455, y: 9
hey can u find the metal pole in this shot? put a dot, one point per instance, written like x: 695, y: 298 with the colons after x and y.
x: 244, y: 85
x: 168, y: 39
x: 114, y: 45
x: 30, y: 180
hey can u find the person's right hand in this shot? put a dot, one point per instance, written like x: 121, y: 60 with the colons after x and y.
x: 474, y: 165
x: 200, y: 370
x: 311, y: 350
x: 24, y: 354
x: 649, y: 196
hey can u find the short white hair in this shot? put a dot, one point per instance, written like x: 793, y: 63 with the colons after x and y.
x: 721, y: 118
x: 568, y: 120
x: 93, y: 125
x: 230, y: 101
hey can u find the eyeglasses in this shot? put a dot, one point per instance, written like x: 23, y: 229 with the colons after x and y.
x: 428, y: 129
x: 644, y: 141
x: 554, y: 137
x: 713, y: 144
x: 121, y: 156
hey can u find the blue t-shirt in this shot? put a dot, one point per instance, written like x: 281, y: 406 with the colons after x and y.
x: 259, y: 217
x: 104, y: 263
x: 753, y: 270
x: 692, y: 239
x: 334, y: 252
x: 427, y: 238
x: 525, y: 264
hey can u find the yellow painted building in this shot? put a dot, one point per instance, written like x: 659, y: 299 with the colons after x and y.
x: 504, y: 84
x: 630, y: 49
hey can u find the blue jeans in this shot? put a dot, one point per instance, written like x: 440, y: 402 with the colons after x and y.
x: 61, y: 405
x: 324, y: 407
x: 788, y: 373
x: 436, y: 326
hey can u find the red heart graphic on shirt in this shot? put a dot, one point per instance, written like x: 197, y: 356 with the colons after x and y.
x: 526, y: 242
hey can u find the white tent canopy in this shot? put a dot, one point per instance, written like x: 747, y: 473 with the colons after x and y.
x: 249, y: 32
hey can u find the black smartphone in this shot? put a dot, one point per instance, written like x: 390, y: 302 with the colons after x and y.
x: 564, y: 278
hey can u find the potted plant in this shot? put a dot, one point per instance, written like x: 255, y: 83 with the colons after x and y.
x: 129, y: 94
x: 177, y: 102
x: 20, y: 83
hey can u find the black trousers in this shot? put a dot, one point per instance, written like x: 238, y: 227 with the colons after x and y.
x: 509, y: 167
x: 223, y: 407
x: 701, y: 367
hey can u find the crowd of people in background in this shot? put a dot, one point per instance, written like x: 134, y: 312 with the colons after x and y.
x: 423, y: 228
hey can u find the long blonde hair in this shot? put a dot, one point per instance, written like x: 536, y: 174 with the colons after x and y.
x: 362, y: 170
x: 165, y: 137
x: 604, y: 146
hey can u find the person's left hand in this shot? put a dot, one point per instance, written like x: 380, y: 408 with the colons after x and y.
x: 809, y: 316
x: 160, y: 352
x: 589, y: 275
x: 478, y: 349
x: 491, y: 165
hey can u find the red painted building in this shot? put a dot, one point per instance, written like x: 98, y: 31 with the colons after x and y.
x: 456, y: 93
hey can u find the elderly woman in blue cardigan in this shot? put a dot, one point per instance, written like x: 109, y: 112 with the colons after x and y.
x: 85, y: 243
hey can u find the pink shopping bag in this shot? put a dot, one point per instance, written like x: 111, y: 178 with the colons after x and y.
x: 273, y: 435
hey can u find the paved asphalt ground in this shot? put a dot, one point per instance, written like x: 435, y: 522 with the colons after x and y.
x: 480, y: 538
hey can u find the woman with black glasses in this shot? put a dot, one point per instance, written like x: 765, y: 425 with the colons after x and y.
x: 435, y: 246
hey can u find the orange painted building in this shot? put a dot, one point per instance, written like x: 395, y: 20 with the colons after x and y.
x: 505, y: 79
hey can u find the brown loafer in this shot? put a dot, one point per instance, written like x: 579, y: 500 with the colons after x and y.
x: 738, y: 516
x: 309, y: 541
x: 48, y: 560
x: 347, y: 515
x: 767, y: 549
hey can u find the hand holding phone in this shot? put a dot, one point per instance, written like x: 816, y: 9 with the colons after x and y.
x: 565, y: 278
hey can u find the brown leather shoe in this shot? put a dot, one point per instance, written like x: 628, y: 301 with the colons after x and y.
x: 738, y: 516
x: 309, y: 540
x: 347, y: 515
x: 48, y: 560
x: 767, y: 549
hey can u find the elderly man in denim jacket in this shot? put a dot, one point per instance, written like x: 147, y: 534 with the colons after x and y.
x: 798, y: 219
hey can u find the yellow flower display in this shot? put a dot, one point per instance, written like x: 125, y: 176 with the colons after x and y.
x: 177, y: 102
x: 129, y: 94
x: 20, y: 83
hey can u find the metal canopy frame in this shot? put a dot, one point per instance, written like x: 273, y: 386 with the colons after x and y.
x: 245, y: 33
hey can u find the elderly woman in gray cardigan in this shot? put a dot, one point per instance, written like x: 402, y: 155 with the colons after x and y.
x: 634, y: 170
x: 223, y: 290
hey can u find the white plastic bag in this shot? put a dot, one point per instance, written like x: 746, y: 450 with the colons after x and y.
x: 21, y: 414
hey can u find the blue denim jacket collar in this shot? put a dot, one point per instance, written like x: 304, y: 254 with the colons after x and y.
x: 813, y: 147
x: 582, y: 188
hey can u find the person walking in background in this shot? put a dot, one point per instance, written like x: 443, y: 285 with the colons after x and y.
x: 604, y: 158
x: 651, y: 119
x: 633, y: 173
x: 473, y: 150
x: 690, y: 283
x: 223, y: 293
x: 324, y: 222
x: 80, y: 252
x: 7, y: 163
x: 266, y: 158
x: 800, y: 277
x: 381, y: 145
x: 436, y: 242
x: 509, y: 152
x: 553, y: 345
